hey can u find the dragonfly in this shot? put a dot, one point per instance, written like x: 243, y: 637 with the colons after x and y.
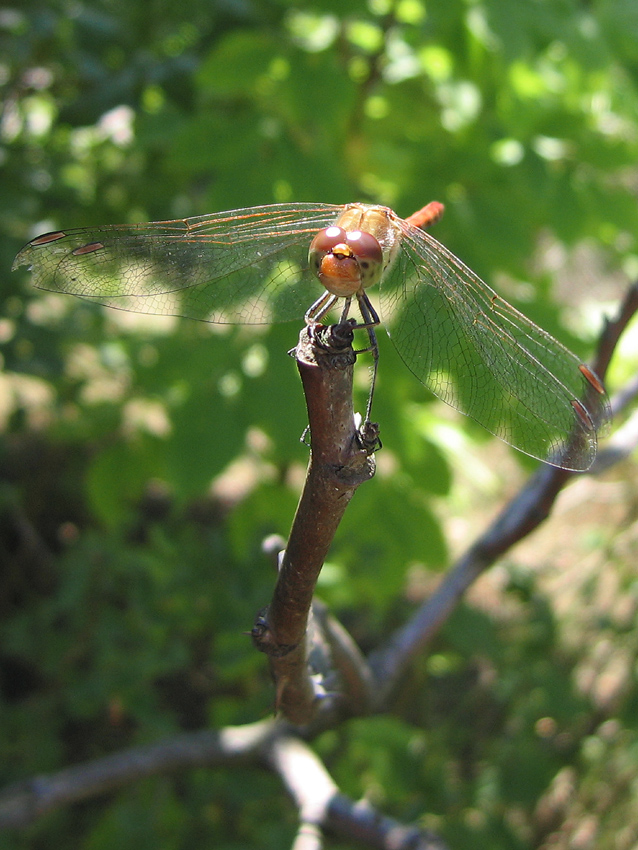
x: 262, y: 264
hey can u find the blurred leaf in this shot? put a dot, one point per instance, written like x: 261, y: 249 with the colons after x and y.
x: 117, y: 476
x: 204, y: 439
x: 388, y: 527
x: 268, y: 510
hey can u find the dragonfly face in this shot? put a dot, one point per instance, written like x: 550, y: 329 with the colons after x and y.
x: 260, y: 265
x: 346, y: 262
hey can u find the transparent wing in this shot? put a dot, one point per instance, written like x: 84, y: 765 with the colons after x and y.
x: 479, y: 354
x: 245, y: 266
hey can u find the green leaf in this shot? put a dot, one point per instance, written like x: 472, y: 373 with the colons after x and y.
x: 118, y: 475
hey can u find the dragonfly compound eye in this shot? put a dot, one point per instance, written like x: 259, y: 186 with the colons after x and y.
x: 364, y: 246
x: 368, y: 254
x: 326, y: 240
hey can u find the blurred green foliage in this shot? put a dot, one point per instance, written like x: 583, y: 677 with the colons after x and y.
x: 127, y: 580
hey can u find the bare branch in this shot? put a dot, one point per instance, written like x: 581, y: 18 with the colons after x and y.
x: 349, y: 662
x: 309, y: 837
x: 614, y: 329
x: 321, y: 806
x: 24, y: 802
x: 306, y: 779
x: 362, y: 823
x: 267, y: 743
x: 338, y: 464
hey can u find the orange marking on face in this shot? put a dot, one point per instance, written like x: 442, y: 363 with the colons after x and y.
x: 340, y: 273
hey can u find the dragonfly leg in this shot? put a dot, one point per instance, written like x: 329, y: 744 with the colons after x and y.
x: 368, y: 432
x: 370, y: 321
x: 344, y: 313
x: 318, y: 310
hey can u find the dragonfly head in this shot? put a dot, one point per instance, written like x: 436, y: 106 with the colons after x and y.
x: 346, y: 262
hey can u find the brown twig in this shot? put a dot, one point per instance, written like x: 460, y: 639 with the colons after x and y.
x: 614, y: 329
x: 338, y: 465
